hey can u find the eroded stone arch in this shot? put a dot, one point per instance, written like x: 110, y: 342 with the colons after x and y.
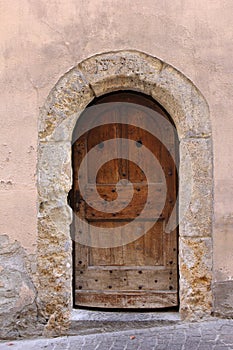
x: 95, y: 76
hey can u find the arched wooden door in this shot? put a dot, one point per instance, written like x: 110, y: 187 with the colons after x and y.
x: 141, y: 272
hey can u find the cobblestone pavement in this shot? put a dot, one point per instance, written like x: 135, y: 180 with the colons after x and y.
x: 215, y: 334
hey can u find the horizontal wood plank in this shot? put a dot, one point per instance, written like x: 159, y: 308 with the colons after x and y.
x: 159, y: 299
x: 130, y: 211
x: 126, y: 279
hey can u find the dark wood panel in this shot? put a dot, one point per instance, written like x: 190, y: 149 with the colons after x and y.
x: 132, y: 210
x: 140, y: 272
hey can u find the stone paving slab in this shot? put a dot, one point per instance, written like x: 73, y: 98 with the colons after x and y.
x: 216, y: 334
x: 96, y: 321
x: 113, y: 316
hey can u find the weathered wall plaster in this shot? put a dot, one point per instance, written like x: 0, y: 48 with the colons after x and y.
x: 41, y: 40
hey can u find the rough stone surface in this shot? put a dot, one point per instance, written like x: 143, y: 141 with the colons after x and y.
x: 69, y: 96
x: 121, y: 70
x: 223, y: 298
x: 54, y: 267
x: 195, y: 261
x: 214, y: 334
x: 54, y: 243
x: 196, y: 187
x: 96, y: 76
x: 18, y: 308
x: 183, y: 102
x: 223, y: 238
x: 54, y: 171
x: 137, y: 71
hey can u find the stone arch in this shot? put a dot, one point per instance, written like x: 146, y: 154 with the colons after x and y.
x: 95, y: 76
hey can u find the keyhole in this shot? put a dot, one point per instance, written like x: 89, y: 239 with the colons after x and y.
x: 139, y: 143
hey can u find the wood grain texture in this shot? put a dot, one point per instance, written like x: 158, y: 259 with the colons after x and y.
x: 142, y: 273
x: 128, y: 300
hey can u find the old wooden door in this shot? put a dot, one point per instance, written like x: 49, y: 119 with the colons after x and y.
x: 136, y: 273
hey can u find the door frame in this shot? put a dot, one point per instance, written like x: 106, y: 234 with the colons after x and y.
x: 96, y: 76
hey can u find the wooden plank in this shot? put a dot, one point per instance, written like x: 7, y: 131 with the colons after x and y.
x: 127, y: 300
x: 126, y: 279
x: 104, y: 256
x: 146, y: 250
x: 142, y: 273
x: 130, y: 211
x: 96, y: 137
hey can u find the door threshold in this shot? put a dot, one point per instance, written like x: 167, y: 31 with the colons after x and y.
x: 85, y: 321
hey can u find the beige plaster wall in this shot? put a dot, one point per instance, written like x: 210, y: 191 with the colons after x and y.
x: 40, y: 40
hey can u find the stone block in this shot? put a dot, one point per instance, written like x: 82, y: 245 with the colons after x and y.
x: 223, y: 298
x: 195, y: 261
x: 195, y: 187
x: 128, y: 70
x: 70, y: 96
x: 183, y: 102
x: 54, y: 169
x: 18, y: 310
